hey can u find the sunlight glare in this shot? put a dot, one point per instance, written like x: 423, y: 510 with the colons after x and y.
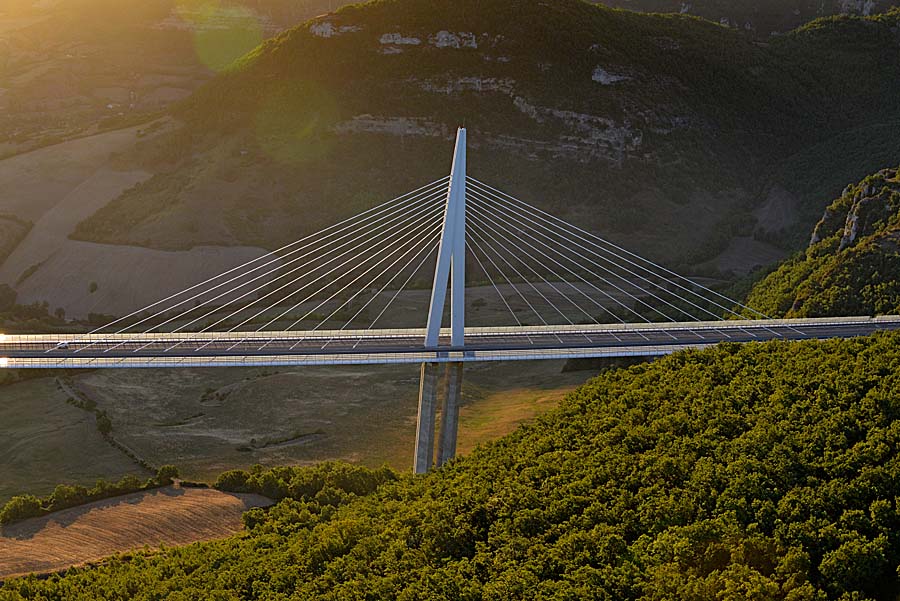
x: 292, y: 123
x: 222, y: 32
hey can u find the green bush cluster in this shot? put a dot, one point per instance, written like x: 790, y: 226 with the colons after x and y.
x: 16, y: 318
x: 305, y: 484
x: 65, y: 496
x: 37, y: 317
x: 759, y: 471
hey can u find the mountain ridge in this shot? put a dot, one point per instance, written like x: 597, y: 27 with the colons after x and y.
x: 760, y: 18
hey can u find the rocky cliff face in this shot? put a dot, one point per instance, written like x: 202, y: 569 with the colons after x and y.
x: 852, y: 264
x: 867, y: 209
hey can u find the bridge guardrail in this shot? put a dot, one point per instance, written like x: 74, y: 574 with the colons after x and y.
x: 445, y: 332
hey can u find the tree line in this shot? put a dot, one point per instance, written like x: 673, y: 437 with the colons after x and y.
x: 65, y: 496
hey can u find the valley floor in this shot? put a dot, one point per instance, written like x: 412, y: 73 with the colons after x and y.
x: 206, y: 421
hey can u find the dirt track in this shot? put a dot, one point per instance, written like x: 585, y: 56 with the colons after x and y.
x: 170, y: 516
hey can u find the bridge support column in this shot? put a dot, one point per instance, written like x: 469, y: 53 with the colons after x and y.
x: 450, y: 413
x: 449, y: 271
x: 428, y: 388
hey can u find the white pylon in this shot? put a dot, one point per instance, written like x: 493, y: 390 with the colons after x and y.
x: 451, y: 260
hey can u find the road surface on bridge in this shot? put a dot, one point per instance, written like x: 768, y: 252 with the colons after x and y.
x: 407, y: 346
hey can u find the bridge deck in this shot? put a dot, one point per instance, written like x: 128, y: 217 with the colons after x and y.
x: 407, y: 346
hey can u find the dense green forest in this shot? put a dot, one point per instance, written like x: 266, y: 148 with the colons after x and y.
x: 759, y: 471
x: 852, y: 264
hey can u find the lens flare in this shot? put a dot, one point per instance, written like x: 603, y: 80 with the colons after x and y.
x: 293, y: 123
x: 222, y: 32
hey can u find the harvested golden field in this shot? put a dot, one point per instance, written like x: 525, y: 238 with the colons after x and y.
x: 168, y: 516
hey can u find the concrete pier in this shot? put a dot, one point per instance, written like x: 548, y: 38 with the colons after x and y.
x: 450, y: 413
x: 449, y: 273
x: 428, y: 389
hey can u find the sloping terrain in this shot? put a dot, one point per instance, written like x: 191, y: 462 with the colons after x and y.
x: 662, y: 132
x: 758, y: 471
x: 852, y: 264
x: 44, y: 441
x: 206, y: 421
x: 678, y: 138
x: 168, y: 516
x: 52, y: 190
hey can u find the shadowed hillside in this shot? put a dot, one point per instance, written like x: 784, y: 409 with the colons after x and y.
x: 665, y: 132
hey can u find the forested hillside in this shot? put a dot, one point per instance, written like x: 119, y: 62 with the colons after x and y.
x: 761, y: 471
x: 852, y: 264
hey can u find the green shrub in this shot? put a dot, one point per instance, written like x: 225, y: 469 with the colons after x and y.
x: 65, y: 496
x: 104, y: 424
x: 20, y: 508
x: 165, y: 474
x: 233, y: 481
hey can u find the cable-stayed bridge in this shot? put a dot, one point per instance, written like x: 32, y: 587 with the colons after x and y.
x: 354, y: 347
x: 522, y: 284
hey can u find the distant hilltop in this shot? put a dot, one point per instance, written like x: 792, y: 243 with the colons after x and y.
x: 760, y: 17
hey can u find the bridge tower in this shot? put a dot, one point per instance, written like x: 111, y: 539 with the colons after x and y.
x: 450, y: 271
